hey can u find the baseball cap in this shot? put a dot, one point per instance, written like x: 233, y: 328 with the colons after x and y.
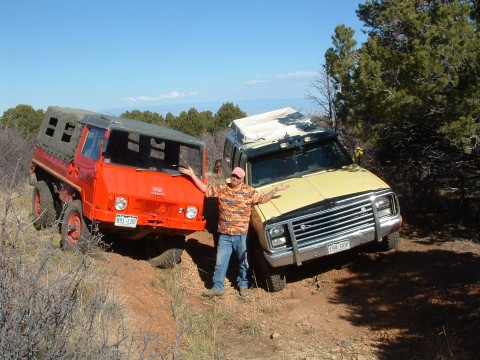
x: 239, y: 172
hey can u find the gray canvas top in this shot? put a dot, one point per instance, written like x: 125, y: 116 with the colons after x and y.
x: 69, y: 123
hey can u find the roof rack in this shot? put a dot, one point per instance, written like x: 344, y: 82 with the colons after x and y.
x: 271, y: 125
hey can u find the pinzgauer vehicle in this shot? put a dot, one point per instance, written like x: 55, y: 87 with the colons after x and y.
x: 118, y: 176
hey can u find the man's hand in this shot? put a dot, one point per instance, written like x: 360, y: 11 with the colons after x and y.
x: 189, y: 172
x: 281, y: 187
x: 186, y: 171
x: 270, y: 195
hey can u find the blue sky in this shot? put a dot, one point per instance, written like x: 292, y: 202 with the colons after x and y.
x: 106, y: 55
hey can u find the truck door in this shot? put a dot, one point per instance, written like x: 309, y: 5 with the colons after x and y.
x: 227, y: 159
x: 88, y: 155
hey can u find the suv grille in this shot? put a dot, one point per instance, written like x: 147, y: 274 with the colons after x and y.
x: 347, y: 216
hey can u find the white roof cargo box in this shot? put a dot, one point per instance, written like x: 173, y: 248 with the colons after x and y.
x: 270, y: 125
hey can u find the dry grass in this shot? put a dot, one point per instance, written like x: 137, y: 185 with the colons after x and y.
x: 203, y: 330
x: 55, y: 304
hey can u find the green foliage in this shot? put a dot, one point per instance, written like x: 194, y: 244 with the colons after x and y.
x: 192, y: 122
x: 23, y: 118
x: 418, y: 71
x: 227, y: 112
x: 169, y: 119
x: 412, y: 88
x: 145, y: 116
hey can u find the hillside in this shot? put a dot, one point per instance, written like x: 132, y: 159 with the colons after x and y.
x: 419, y: 302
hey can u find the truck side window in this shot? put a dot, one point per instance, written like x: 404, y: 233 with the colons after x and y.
x: 93, y: 143
x: 68, y: 131
x: 227, y: 151
x: 236, y: 156
x: 52, y: 124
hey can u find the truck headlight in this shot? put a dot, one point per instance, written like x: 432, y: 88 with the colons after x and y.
x: 120, y: 203
x: 383, y: 206
x: 276, y: 231
x: 191, y: 212
x: 277, y: 235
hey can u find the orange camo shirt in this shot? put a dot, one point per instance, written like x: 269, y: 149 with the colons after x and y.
x: 234, y: 206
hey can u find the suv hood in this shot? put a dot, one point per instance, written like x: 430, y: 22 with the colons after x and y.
x: 150, y: 185
x: 313, y: 188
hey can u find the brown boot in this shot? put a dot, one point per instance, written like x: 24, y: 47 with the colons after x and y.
x: 211, y: 293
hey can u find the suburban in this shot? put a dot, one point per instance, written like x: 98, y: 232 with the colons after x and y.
x: 332, y: 204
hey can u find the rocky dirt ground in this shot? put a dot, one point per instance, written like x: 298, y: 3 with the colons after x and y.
x: 421, y: 301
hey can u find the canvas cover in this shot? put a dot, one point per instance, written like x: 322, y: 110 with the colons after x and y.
x: 140, y: 127
x: 270, y: 125
x: 61, y: 129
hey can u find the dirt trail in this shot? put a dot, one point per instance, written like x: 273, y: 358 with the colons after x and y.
x: 419, y: 302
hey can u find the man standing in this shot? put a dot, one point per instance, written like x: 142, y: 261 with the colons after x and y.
x: 235, y: 202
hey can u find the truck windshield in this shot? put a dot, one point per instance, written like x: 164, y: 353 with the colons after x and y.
x: 152, y: 153
x: 297, y: 161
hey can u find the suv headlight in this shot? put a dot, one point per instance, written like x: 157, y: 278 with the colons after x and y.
x: 277, y: 235
x: 383, y: 206
x: 120, y: 203
x: 191, y: 212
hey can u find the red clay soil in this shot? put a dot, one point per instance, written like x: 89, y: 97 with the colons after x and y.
x: 421, y: 301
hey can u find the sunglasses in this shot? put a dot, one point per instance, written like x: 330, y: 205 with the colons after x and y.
x: 236, y: 176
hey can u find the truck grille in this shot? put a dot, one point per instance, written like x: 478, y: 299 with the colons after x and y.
x: 345, y: 217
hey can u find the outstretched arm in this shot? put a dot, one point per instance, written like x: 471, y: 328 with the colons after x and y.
x: 189, y: 172
x: 270, y: 195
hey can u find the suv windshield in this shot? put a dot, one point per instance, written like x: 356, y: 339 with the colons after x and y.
x: 297, y: 161
x: 151, y: 153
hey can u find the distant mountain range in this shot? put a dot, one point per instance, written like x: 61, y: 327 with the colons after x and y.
x: 251, y: 107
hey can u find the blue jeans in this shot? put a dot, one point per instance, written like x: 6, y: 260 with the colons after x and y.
x: 227, y: 244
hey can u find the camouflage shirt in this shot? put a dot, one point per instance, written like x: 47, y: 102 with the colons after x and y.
x: 234, y: 206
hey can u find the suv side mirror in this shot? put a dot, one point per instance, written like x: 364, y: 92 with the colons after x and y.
x: 357, y: 154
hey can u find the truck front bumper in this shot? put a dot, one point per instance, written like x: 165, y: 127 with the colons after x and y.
x: 321, y: 247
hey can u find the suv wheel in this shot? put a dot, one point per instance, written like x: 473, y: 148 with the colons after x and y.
x: 165, y: 253
x: 75, y: 233
x: 390, y: 242
x: 272, y: 278
x: 43, y: 206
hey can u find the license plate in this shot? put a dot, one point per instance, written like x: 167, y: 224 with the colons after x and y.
x: 339, y: 246
x: 126, y: 221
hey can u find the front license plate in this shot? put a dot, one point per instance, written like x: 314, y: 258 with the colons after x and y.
x: 126, y: 221
x: 339, y: 246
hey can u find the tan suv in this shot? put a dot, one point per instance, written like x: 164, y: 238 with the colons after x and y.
x: 332, y: 203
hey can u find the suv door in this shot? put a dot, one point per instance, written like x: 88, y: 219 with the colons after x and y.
x: 88, y: 155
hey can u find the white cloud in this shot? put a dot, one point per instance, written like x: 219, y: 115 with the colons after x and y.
x: 172, y: 95
x: 298, y: 75
x: 288, y: 76
x: 255, y: 82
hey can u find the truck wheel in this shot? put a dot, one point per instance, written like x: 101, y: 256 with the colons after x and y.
x: 43, y: 206
x: 165, y: 253
x: 389, y: 242
x: 272, y: 278
x: 75, y: 233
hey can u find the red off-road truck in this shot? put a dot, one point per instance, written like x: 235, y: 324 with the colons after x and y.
x: 116, y: 176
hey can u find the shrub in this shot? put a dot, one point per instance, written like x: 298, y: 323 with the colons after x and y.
x: 15, y: 157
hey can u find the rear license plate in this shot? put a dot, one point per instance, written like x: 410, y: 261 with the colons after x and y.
x: 339, y: 246
x: 126, y: 221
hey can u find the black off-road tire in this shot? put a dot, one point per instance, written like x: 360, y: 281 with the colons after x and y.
x: 273, y: 279
x: 43, y: 206
x: 168, y: 259
x: 76, y: 235
x: 390, y: 242
x: 166, y: 253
